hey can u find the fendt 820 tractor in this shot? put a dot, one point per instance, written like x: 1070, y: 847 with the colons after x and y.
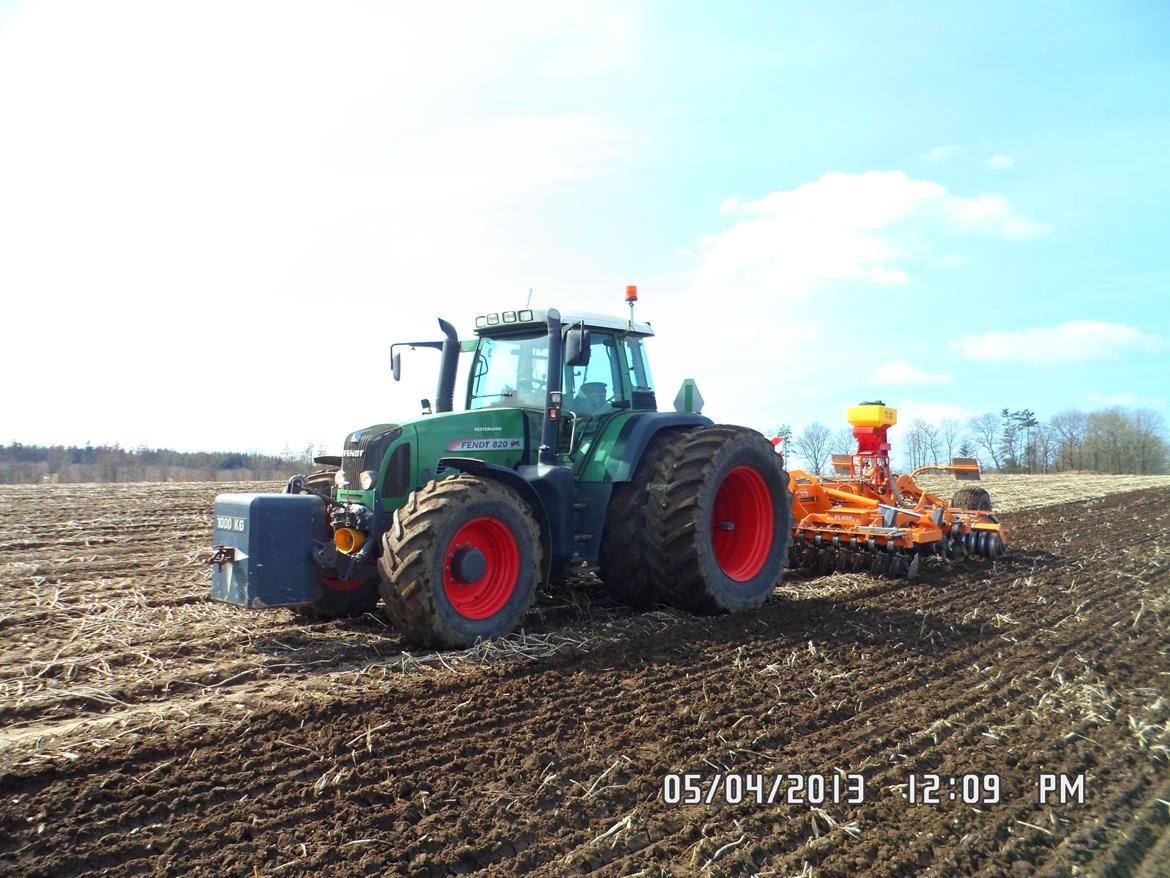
x: 559, y: 460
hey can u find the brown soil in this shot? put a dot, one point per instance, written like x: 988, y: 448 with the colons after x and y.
x: 147, y: 731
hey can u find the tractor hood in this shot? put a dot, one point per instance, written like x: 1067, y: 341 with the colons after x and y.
x: 364, y: 450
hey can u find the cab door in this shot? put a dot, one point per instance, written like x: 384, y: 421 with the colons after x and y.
x: 593, y: 393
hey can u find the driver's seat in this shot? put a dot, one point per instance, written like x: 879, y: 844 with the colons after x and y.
x: 590, y: 399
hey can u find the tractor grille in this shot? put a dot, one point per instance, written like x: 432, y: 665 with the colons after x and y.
x: 365, y: 449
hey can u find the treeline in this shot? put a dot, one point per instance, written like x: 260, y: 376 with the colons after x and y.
x: 31, y: 464
x: 1112, y: 441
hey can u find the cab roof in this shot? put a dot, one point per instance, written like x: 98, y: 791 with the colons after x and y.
x: 501, y: 322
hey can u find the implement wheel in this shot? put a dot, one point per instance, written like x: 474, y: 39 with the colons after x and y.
x: 972, y: 498
x: 622, y: 561
x: 460, y: 562
x: 718, y: 520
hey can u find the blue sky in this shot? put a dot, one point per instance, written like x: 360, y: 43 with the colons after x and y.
x: 214, y: 218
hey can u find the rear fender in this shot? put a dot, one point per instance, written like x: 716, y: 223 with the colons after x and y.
x: 637, y: 433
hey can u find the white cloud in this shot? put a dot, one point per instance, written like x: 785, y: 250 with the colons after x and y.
x: 1076, y: 341
x: 901, y: 372
x: 992, y: 214
x: 944, y: 153
x: 195, y: 192
x: 1021, y: 229
x: 949, y: 260
x: 1000, y: 161
x: 729, y: 204
x: 843, y: 227
x: 774, y: 291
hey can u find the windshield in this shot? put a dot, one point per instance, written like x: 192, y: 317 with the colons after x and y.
x: 510, y: 371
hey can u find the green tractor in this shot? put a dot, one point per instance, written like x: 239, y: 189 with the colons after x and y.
x: 560, y: 461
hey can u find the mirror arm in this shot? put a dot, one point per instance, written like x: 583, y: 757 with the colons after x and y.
x: 412, y: 345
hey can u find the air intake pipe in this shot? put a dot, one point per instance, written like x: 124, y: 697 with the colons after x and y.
x: 552, y: 411
x: 448, y: 366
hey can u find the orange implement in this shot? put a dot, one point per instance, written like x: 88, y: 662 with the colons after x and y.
x: 866, y: 518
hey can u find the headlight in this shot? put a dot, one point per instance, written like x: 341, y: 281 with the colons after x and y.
x: 339, y: 479
x: 368, y: 479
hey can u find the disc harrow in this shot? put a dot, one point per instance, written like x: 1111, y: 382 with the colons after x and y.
x: 866, y: 519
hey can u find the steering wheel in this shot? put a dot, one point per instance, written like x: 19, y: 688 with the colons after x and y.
x: 531, y: 385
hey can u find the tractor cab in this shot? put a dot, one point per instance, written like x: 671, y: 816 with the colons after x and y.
x: 605, y: 370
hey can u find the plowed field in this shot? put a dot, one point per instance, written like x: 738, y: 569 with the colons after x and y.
x: 144, y: 730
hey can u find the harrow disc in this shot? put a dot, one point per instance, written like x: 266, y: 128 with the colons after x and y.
x: 899, y: 565
x: 958, y: 547
x: 912, y: 571
x: 825, y: 562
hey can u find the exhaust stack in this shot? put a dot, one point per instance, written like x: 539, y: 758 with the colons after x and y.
x: 552, y: 412
x: 448, y: 366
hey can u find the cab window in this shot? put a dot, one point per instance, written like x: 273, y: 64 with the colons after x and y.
x: 593, y: 389
x: 510, y: 371
x: 638, y: 373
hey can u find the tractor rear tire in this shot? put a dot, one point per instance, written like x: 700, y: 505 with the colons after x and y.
x: 622, y: 561
x: 972, y: 498
x: 460, y: 562
x: 718, y: 520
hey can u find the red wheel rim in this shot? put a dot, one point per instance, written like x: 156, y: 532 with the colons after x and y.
x: 486, y: 595
x: 342, y: 584
x: 742, y: 523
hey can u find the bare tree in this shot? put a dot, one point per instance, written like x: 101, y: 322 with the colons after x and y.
x: 986, y: 431
x: 813, y: 445
x: 1069, y: 430
x: 930, y: 435
x: 922, y: 443
x: 1019, y: 440
x: 1009, y: 442
x: 844, y: 442
x: 1126, y: 441
x: 1150, y: 447
x: 912, y: 446
x: 1044, y: 443
x: 950, y: 431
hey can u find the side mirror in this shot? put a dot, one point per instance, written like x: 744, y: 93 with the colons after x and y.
x: 577, y: 347
x: 396, y: 365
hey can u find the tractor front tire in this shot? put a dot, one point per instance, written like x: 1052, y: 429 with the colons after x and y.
x: 972, y: 498
x: 718, y: 520
x: 341, y: 599
x: 622, y: 560
x: 460, y: 562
